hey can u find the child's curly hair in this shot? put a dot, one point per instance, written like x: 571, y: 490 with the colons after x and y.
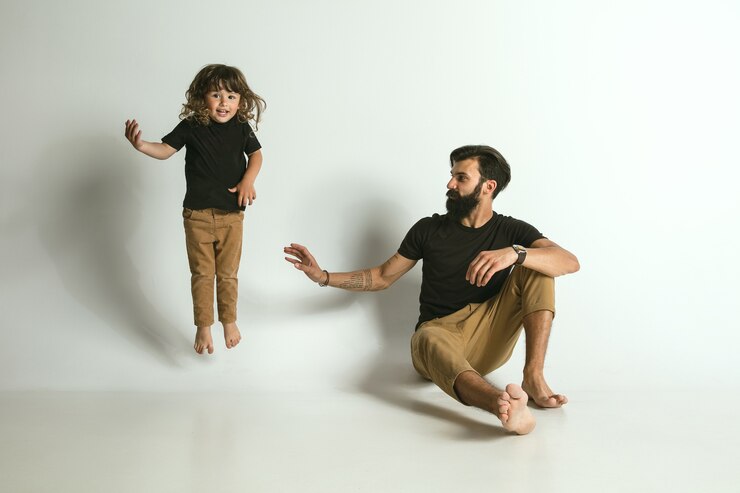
x: 215, y: 77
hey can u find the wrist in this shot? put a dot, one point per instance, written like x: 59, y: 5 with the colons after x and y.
x: 520, y: 254
x: 325, y: 282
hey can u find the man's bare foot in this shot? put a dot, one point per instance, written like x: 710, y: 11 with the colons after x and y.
x: 513, y: 411
x: 203, y: 340
x: 232, y: 336
x: 540, y: 392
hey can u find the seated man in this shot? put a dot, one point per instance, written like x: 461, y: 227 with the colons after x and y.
x: 484, y: 276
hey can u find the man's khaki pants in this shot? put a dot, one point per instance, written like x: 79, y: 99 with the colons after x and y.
x: 480, y: 336
x: 214, y: 243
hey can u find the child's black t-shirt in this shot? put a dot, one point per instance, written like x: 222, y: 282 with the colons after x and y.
x: 214, y: 161
x: 447, y: 248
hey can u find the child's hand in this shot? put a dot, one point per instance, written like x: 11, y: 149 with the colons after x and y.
x: 133, y: 134
x: 245, y: 192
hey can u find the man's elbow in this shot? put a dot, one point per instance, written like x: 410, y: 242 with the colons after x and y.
x: 380, y: 284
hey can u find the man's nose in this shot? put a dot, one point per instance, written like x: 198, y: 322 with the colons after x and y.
x: 451, y: 184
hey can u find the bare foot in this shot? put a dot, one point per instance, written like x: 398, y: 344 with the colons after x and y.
x: 541, y: 394
x: 232, y: 336
x: 203, y: 340
x: 513, y: 411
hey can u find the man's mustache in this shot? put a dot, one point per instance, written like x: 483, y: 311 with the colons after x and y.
x: 453, y: 194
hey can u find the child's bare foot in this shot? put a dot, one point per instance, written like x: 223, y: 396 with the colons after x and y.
x: 203, y: 340
x: 232, y: 336
x: 513, y: 411
x: 540, y: 392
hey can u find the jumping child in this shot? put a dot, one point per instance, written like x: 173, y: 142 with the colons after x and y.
x: 216, y: 132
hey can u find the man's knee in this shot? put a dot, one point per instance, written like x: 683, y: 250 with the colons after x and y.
x: 536, y: 290
x: 430, y: 345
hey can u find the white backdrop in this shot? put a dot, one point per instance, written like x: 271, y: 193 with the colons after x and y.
x: 619, y: 121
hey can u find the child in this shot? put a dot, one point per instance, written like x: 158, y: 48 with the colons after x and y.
x: 215, y: 130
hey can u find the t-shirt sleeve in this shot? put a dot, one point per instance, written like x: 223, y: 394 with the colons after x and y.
x: 412, y: 246
x: 252, y: 144
x: 523, y: 233
x: 179, y: 135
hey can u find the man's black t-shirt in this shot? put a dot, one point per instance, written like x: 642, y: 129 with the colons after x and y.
x: 214, y: 161
x: 447, y: 248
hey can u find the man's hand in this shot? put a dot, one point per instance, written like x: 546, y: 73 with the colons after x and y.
x: 133, y: 134
x: 245, y: 192
x: 305, y: 261
x: 487, y: 263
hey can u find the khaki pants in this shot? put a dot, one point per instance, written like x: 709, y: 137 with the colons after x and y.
x: 480, y: 336
x: 214, y: 242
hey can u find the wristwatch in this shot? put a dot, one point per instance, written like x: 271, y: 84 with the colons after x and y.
x: 522, y: 252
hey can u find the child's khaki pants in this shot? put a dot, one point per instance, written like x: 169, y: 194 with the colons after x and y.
x: 480, y: 336
x: 214, y: 243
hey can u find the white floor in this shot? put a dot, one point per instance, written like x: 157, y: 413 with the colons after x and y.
x: 416, y: 440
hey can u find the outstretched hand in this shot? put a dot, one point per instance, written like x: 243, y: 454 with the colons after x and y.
x: 133, y: 134
x: 304, y: 261
x: 487, y: 263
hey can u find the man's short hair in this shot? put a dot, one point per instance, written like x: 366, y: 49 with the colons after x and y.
x: 491, y: 164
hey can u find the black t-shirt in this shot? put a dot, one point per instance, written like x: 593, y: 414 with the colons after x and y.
x: 447, y: 248
x: 214, y: 160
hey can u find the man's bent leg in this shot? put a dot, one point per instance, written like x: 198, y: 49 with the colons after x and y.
x: 527, y: 298
x: 537, y: 327
x: 510, y: 405
x: 437, y: 354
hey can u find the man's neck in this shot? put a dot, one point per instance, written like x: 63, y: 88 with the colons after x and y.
x: 479, y: 217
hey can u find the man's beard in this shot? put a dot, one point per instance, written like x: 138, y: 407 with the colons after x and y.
x: 459, y: 207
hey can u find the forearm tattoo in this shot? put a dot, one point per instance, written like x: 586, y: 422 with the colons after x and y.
x: 361, y: 280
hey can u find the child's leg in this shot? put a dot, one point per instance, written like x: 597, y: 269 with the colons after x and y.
x: 199, y: 238
x: 228, y: 250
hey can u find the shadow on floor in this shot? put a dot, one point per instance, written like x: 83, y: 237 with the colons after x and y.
x: 93, y: 211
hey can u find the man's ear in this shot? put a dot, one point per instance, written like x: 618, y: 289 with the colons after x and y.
x: 491, y: 186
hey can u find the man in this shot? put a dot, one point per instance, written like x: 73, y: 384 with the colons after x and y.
x: 473, y: 304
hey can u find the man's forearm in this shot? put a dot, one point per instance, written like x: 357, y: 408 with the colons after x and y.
x: 359, y: 280
x: 552, y: 261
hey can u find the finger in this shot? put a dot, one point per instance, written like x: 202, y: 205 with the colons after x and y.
x: 472, y: 272
x: 299, y: 248
x: 480, y: 273
x: 295, y: 254
x: 132, y: 131
x: 491, y: 272
x: 472, y: 268
x: 251, y: 200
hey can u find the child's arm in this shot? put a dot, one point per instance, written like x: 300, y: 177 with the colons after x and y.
x: 158, y: 150
x: 245, y: 188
